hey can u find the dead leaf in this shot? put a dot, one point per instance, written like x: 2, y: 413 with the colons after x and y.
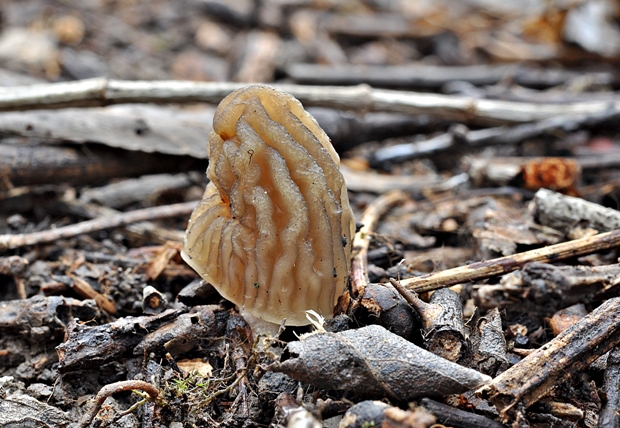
x: 374, y: 362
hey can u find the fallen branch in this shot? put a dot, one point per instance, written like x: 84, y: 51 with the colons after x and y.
x: 165, y: 211
x: 102, y: 92
x: 113, y: 388
x: 571, y: 351
x: 460, y: 135
x: 434, y: 77
x: 486, y: 269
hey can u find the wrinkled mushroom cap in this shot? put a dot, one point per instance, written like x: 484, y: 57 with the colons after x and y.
x: 273, y: 231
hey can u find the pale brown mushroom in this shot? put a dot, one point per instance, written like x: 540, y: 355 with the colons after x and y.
x: 273, y: 231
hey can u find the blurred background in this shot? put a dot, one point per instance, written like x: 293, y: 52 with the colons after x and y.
x: 269, y: 40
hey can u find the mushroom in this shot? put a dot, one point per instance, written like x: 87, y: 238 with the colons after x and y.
x: 273, y: 231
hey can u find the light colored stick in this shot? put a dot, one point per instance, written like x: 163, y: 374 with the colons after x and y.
x: 102, y: 91
x: 122, y: 219
x: 489, y: 268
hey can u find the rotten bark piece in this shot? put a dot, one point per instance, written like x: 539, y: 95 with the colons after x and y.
x: 88, y: 347
x: 387, y: 308
x: 609, y: 416
x: 565, y: 212
x: 122, y: 219
x: 548, y: 288
x: 498, y: 227
x: 489, y: 268
x: 454, y: 417
x: 488, y: 344
x: 348, y: 129
x: 143, y: 128
x: 445, y: 335
x: 92, y: 346
x: 434, y: 77
x: 371, y: 361
x: 103, y: 91
x: 442, y: 318
x: 21, y: 410
x: 126, y: 192
x: 42, y: 318
x: 570, y: 352
x: 29, y: 165
x: 197, y: 292
x: 184, y: 332
x: 294, y: 415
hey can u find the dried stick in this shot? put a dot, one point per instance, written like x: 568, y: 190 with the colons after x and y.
x: 571, y: 351
x: 361, y: 241
x: 102, y: 92
x: 434, y: 77
x: 141, y: 230
x: 165, y: 211
x: 113, y: 388
x: 501, y: 265
x: 460, y: 135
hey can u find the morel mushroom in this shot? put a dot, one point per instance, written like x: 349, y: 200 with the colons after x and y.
x: 273, y: 231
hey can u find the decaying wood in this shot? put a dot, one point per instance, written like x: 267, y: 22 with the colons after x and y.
x: 566, y: 212
x: 145, y: 188
x: 101, y: 92
x: 22, y: 410
x: 489, y: 268
x: 173, y: 331
x: 27, y: 165
x: 164, y: 211
x: 610, y: 415
x: 384, y: 306
x: 548, y: 288
x: 442, y: 321
x: 181, y: 131
x: 488, y: 348
x: 574, y: 349
x: 133, y: 127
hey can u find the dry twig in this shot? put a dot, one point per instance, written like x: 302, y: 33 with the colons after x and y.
x: 102, y: 92
x: 501, y: 265
x: 571, y: 351
x: 165, y: 211
x: 361, y: 241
